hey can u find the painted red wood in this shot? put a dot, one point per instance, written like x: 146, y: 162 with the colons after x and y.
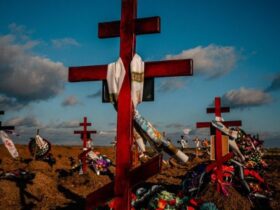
x: 234, y: 123
x: 143, y: 26
x: 218, y: 107
x: 218, y: 144
x: 136, y: 175
x: 152, y: 69
x: 223, y: 109
x: 225, y: 158
x: 6, y: 127
x: 82, y: 132
x: 84, y: 138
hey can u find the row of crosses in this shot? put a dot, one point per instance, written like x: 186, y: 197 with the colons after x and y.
x: 85, y: 137
x: 127, y: 28
x: 218, y: 138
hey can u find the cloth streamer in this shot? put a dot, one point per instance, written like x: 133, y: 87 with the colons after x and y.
x: 40, y: 142
x: 233, y: 134
x: 9, y: 144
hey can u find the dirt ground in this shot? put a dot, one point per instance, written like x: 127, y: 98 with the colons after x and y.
x: 53, y: 188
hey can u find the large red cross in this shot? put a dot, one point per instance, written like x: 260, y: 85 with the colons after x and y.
x: 5, y: 127
x: 127, y: 29
x: 219, y: 158
x: 85, y: 135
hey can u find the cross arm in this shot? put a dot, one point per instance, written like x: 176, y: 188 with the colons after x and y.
x: 215, y: 164
x: 86, y: 124
x: 81, y: 132
x: 223, y: 109
x: 7, y: 128
x: 136, y: 175
x: 143, y: 26
x: 152, y: 69
x: 226, y: 123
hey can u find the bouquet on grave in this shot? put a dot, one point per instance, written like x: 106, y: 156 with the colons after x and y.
x: 98, y: 162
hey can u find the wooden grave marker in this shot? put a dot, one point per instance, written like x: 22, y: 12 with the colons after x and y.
x: 220, y: 150
x: 127, y: 28
x: 85, y: 136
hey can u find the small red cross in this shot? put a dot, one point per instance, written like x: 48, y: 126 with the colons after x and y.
x: 219, y: 158
x: 85, y: 135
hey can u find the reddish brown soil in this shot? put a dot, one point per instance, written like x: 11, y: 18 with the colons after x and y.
x: 48, y: 191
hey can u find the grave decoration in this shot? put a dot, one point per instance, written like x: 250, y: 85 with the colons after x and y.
x: 7, y: 141
x: 88, y: 157
x: 40, y: 148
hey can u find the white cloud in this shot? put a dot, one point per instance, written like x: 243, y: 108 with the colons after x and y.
x: 9, y: 103
x: 212, y: 61
x: 64, y: 42
x: 24, y: 122
x: 26, y: 77
x: 243, y: 98
x: 70, y: 101
x: 68, y: 124
x: 171, y: 84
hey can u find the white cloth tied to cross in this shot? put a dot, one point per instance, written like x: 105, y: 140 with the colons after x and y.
x: 9, y: 144
x: 115, y: 77
x: 116, y: 74
x: 231, y: 133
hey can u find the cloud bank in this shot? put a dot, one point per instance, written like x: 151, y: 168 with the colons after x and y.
x: 26, y: 77
x: 244, y: 98
x: 70, y: 101
x: 211, y: 61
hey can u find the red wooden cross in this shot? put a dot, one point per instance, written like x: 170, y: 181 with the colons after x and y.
x: 5, y: 127
x: 85, y: 135
x: 127, y: 29
x: 219, y: 158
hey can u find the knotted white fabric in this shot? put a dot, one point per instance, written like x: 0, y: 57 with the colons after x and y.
x: 137, y: 68
x: 115, y: 77
x: 219, y: 119
x: 9, y: 144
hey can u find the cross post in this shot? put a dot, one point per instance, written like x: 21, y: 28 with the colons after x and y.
x: 127, y: 29
x: 219, y: 158
x: 85, y: 135
x: 3, y: 128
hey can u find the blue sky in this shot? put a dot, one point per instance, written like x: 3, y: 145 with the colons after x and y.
x: 234, y: 45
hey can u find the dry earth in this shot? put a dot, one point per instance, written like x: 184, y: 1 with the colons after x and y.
x: 49, y: 191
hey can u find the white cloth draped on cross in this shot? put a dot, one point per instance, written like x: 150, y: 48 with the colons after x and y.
x: 9, y: 144
x: 218, y: 123
x: 115, y: 76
